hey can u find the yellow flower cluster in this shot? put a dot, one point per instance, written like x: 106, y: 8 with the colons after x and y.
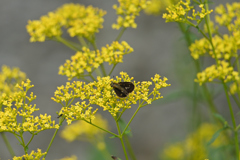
x: 223, y: 72
x: 235, y: 87
x: 230, y: 17
x: 156, y: 7
x: 9, y: 78
x: 32, y: 156
x: 101, y: 93
x: 179, y: 13
x: 82, y: 130
x: 79, y: 21
x: 87, y: 60
x: 194, y: 146
x: 73, y: 157
x: 225, y: 47
x: 127, y: 11
x: 18, y: 104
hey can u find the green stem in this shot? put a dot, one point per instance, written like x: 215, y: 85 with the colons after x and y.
x: 129, y: 147
x: 233, y: 120
x: 67, y: 43
x: 120, y: 34
x: 103, y: 129
x: 9, y: 147
x: 82, y: 41
x: 207, y: 21
x: 121, y: 139
x: 112, y: 69
x: 131, y: 119
x: 103, y: 70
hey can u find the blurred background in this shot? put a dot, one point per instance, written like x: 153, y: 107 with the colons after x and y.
x: 159, y: 47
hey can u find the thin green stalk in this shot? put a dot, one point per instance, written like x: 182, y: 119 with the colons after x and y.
x: 103, y: 129
x: 233, y: 120
x: 67, y: 43
x: 82, y: 41
x: 121, y: 139
x: 53, y: 137
x: 120, y: 34
x: 103, y: 70
x: 129, y: 147
x: 112, y: 69
x: 9, y: 147
x: 131, y: 118
x: 207, y: 21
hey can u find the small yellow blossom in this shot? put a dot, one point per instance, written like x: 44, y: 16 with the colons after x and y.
x: 223, y: 72
x: 225, y: 47
x: 79, y: 21
x: 127, y: 11
x: 156, y: 7
x: 82, y: 130
x: 87, y: 60
x: 194, y: 146
x: 179, y: 13
x: 101, y: 93
x: 18, y: 104
x: 73, y: 157
x: 8, y: 79
x: 32, y: 156
x: 229, y: 17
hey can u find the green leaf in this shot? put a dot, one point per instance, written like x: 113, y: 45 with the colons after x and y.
x: 215, y: 135
x: 219, y: 117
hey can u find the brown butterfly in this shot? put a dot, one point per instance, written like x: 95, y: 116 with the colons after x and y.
x: 122, y: 89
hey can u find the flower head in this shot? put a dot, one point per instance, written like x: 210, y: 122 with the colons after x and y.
x: 9, y: 78
x: 156, y: 7
x: 223, y: 72
x: 101, y: 93
x: 87, y: 60
x: 18, y: 105
x: 127, y: 11
x: 79, y: 21
x: 33, y: 155
x: 183, y: 12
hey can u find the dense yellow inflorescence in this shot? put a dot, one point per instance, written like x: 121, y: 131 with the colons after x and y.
x: 87, y: 60
x: 101, y: 93
x: 127, y: 11
x: 78, y: 19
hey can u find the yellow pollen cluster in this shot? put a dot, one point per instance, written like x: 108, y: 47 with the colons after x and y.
x: 101, y: 93
x: 87, y: 60
x: 222, y: 72
x: 127, y: 11
x: 79, y: 21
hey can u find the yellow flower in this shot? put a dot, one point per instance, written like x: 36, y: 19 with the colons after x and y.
x: 225, y: 47
x: 79, y: 21
x: 223, y: 72
x: 101, y: 93
x: 82, y: 130
x: 8, y: 79
x: 18, y: 104
x: 179, y: 13
x: 87, y: 60
x: 73, y: 157
x: 33, y: 155
x: 156, y: 7
x: 127, y: 11
x: 194, y: 146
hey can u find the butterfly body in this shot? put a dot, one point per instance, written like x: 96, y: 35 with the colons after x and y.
x: 122, y: 89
